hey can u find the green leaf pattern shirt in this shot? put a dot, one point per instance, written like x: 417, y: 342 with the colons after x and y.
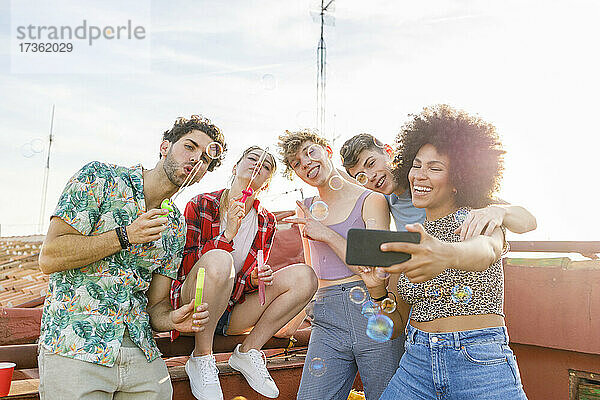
x: 87, y: 309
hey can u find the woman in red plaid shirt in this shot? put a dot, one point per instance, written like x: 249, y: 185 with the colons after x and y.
x: 223, y: 237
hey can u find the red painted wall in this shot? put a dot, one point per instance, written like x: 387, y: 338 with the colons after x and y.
x: 553, y: 320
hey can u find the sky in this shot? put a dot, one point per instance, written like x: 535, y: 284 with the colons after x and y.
x: 529, y: 67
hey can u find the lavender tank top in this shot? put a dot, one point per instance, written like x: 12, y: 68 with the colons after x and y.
x: 326, y: 264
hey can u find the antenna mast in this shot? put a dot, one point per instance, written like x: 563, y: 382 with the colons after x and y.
x: 326, y: 6
x: 46, y: 173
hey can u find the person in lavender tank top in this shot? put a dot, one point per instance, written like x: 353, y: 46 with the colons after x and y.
x: 339, y: 346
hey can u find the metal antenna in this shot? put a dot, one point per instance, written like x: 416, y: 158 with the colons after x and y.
x: 325, y: 19
x: 46, y: 173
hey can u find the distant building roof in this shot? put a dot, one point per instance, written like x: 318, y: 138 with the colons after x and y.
x: 21, y: 281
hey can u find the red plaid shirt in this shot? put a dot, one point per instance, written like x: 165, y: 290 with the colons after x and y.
x: 204, y: 234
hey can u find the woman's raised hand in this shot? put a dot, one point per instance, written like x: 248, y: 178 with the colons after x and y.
x: 235, y: 214
x: 310, y: 227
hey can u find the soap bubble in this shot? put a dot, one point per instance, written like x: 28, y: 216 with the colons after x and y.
x: 462, y: 294
x: 319, y: 210
x: 317, y: 367
x: 37, y: 145
x: 336, y: 182
x: 27, y: 150
x: 269, y: 82
x: 378, y: 143
x: 380, y: 328
x: 315, y: 152
x: 387, y: 305
x: 357, y: 295
x: 432, y: 292
x: 369, y: 309
x: 214, y: 150
x: 460, y: 215
x: 362, y: 178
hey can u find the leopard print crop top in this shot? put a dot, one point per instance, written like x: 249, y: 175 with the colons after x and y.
x: 454, y: 292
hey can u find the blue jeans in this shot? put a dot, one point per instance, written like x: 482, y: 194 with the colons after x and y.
x: 464, y: 365
x: 339, y: 338
x: 223, y: 323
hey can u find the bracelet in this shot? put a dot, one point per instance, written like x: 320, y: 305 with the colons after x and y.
x: 385, y: 297
x: 122, y: 236
x: 378, y: 299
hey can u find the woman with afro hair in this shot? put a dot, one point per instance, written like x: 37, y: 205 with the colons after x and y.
x: 456, y: 340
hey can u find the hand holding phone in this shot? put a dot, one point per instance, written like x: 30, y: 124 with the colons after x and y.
x: 428, y: 258
x: 363, y: 247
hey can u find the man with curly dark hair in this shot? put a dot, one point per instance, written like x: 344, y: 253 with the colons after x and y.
x: 456, y: 338
x: 112, y: 253
x: 215, y: 153
x: 369, y: 161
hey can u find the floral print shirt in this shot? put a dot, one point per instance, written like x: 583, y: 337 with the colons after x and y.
x: 87, y: 309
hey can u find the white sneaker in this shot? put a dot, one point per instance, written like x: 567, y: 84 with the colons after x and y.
x: 204, y: 377
x: 253, y: 365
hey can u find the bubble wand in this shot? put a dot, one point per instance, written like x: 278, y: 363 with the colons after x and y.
x: 167, y: 204
x: 214, y: 151
x: 249, y: 191
x: 260, y: 257
x: 260, y: 263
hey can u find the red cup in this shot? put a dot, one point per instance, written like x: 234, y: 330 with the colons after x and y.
x: 6, y: 372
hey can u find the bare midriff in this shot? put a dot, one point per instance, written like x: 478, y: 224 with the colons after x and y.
x: 459, y: 323
x: 331, y: 282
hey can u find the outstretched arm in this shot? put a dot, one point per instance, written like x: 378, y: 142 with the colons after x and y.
x: 431, y: 256
x: 517, y: 219
x: 484, y: 221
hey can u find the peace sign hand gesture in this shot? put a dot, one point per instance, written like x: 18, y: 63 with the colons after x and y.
x: 309, y: 227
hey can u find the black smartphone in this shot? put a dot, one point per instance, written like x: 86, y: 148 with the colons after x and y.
x: 362, y: 247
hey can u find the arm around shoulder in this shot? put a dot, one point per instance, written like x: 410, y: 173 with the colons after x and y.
x: 517, y: 219
x: 478, y: 253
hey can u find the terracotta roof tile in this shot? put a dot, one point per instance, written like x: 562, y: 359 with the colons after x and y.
x: 21, y: 280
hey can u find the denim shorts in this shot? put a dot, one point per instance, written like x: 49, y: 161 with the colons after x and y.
x: 464, y: 365
x: 223, y: 323
x: 339, y: 339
